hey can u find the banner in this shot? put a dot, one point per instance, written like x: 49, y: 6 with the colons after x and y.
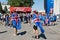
x: 49, y: 5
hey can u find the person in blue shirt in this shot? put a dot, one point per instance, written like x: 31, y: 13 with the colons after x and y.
x: 53, y: 19
x: 42, y: 17
x: 6, y: 20
x: 28, y: 17
x: 46, y: 21
x: 16, y: 22
x: 37, y: 24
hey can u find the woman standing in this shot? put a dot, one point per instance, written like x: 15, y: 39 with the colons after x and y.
x: 16, y: 22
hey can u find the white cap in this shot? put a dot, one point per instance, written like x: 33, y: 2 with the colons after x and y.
x: 42, y: 11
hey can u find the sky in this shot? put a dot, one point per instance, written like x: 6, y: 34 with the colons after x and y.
x: 39, y: 4
x: 3, y: 1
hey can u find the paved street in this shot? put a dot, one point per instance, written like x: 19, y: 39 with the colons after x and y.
x: 26, y: 33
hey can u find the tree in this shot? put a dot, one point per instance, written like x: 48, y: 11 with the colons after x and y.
x: 5, y: 9
x: 21, y: 3
x: 0, y: 8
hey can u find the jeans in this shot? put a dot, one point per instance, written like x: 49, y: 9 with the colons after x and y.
x: 40, y: 26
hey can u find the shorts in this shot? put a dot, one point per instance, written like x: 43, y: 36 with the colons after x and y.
x: 35, y: 27
x: 14, y: 26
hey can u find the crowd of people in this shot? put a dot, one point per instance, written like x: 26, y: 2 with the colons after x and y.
x: 38, y: 19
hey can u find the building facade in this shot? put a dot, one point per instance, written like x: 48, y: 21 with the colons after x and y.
x: 4, y: 4
x: 55, y: 4
x: 8, y: 7
x: 56, y: 7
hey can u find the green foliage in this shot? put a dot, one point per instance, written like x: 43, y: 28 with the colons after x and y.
x: 23, y: 3
x: 0, y: 8
x: 5, y: 9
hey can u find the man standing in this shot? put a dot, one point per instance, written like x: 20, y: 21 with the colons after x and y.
x: 37, y: 23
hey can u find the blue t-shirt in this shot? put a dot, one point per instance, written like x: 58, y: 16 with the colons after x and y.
x: 33, y: 16
x: 7, y: 18
x: 42, y: 18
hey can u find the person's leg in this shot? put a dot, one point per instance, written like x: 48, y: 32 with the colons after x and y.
x: 10, y: 22
x: 36, y: 34
x: 2, y: 22
x: 40, y: 26
x: 34, y: 31
x: 44, y: 22
x: 52, y: 23
x: 15, y: 31
x: 24, y: 19
x: 5, y: 23
x: 29, y: 20
x: 55, y: 23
